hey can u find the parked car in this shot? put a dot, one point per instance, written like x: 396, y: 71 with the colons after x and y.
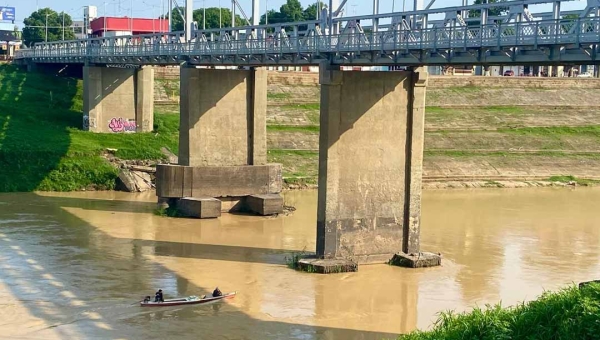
x: 584, y: 75
x: 509, y: 73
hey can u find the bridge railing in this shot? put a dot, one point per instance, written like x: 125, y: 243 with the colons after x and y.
x: 243, y: 43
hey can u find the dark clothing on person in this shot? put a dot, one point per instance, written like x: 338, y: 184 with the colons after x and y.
x: 217, y: 292
x: 158, y: 297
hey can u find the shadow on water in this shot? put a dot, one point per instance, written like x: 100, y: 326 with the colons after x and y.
x: 36, y: 111
x: 83, y: 283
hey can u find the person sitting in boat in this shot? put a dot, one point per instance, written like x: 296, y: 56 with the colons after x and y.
x: 147, y: 299
x: 217, y: 292
x: 158, y: 297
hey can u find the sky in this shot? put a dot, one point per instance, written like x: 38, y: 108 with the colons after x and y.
x: 152, y: 8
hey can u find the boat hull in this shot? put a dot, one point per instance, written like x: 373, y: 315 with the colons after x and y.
x: 183, y: 302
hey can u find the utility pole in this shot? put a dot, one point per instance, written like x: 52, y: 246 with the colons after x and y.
x: 204, y: 15
x: 267, y: 12
x: 189, y: 9
x: 104, y: 34
x: 170, y: 11
x: 220, y: 15
x: 232, y: 14
x: 46, y: 27
x: 255, y: 12
x: 63, y: 26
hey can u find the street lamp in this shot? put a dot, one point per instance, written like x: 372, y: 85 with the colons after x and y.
x: 266, y: 12
x: 63, y: 25
x: 204, y: 15
x: 47, y: 26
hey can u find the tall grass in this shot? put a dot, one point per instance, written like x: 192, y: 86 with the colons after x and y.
x: 571, y: 313
x: 42, y: 146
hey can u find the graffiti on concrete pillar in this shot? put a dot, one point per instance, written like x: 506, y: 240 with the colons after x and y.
x: 86, y: 122
x: 122, y: 125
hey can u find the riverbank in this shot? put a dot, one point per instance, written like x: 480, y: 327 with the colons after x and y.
x: 472, y: 141
x: 572, y: 313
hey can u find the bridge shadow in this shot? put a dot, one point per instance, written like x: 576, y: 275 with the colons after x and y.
x: 83, y: 283
x: 36, y: 111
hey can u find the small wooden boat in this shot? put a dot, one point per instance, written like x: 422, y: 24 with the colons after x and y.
x: 190, y: 300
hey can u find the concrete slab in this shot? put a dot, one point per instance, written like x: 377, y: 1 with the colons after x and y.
x: 419, y: 260
x: 265, y: 205
x: 327, y: 266
x: 217, y: 181
x: 204, y: 207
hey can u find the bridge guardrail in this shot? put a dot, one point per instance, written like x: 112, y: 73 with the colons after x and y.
x: 311, y: 42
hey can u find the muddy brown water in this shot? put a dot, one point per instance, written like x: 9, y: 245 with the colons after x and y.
x: 72, y: 266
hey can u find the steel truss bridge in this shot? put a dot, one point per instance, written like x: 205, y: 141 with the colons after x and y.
x: 462, y: 35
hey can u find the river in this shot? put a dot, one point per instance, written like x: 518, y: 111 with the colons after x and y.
x: 73, y: 265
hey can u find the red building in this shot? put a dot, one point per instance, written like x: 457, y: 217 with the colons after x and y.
x: 124, y: 26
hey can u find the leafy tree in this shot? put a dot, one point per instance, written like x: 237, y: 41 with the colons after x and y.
x: 496, y: 11
x: 35, y: 26
x: 212, y: 18
x: 310, y: 13
x: 292, y: 10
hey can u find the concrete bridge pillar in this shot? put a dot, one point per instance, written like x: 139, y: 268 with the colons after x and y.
x: 223, y: 142
x: 370, y: 165
x: 117, y: 100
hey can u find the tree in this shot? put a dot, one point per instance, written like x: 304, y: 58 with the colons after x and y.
x: 292, y: 10
x: 35, y: 26
x: 310, y: 13
x: 212, y: 18
x: 493, y: 12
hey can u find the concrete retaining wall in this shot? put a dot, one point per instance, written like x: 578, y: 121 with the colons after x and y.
x: 312, y: 79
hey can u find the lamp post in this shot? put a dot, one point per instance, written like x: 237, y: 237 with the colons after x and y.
x: 204, y: 14
x: 63, y: 26
x: 266, y: 12
x: 104, y: 34
x: 220, y: 15
x: 47, y: 27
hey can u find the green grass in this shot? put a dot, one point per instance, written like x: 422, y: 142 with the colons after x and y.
x: 573, y: 179
x: 299, y: 166
x: 307, y: 106
x: 294, y: 128
x: 278, y: 95
x: 42, y: 146
x: 555, y: 131
x: 460, y: 153
x: 571, y: 313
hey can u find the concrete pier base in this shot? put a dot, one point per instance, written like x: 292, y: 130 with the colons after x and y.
x: 204, y: 207
x: 223, y: 142
x: 419, y: 260
x: 370, y: 164
x: 265, y: 205
x: 327, y: 266
x: 118, y: 100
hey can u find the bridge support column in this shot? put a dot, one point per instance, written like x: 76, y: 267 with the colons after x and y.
x: 370, y: 165
x: 118, y: 99
x: 223, y: 142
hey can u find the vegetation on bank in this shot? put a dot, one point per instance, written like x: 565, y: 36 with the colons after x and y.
x: 568, y: 314
x: 42, y: 146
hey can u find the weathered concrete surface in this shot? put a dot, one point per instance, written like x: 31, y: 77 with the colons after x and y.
x: 134, y: 181
x: 118, y: 100
x: 265, y: 205
x: 217, y: 181
x: 223, y: 117
x: 370, y: 164
x: 327, y: 266
x: 199, y: 207
x: 418, y: 260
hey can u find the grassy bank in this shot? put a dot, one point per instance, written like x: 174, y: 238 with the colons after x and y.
x: 568, y: 314
x: 42, y: 146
